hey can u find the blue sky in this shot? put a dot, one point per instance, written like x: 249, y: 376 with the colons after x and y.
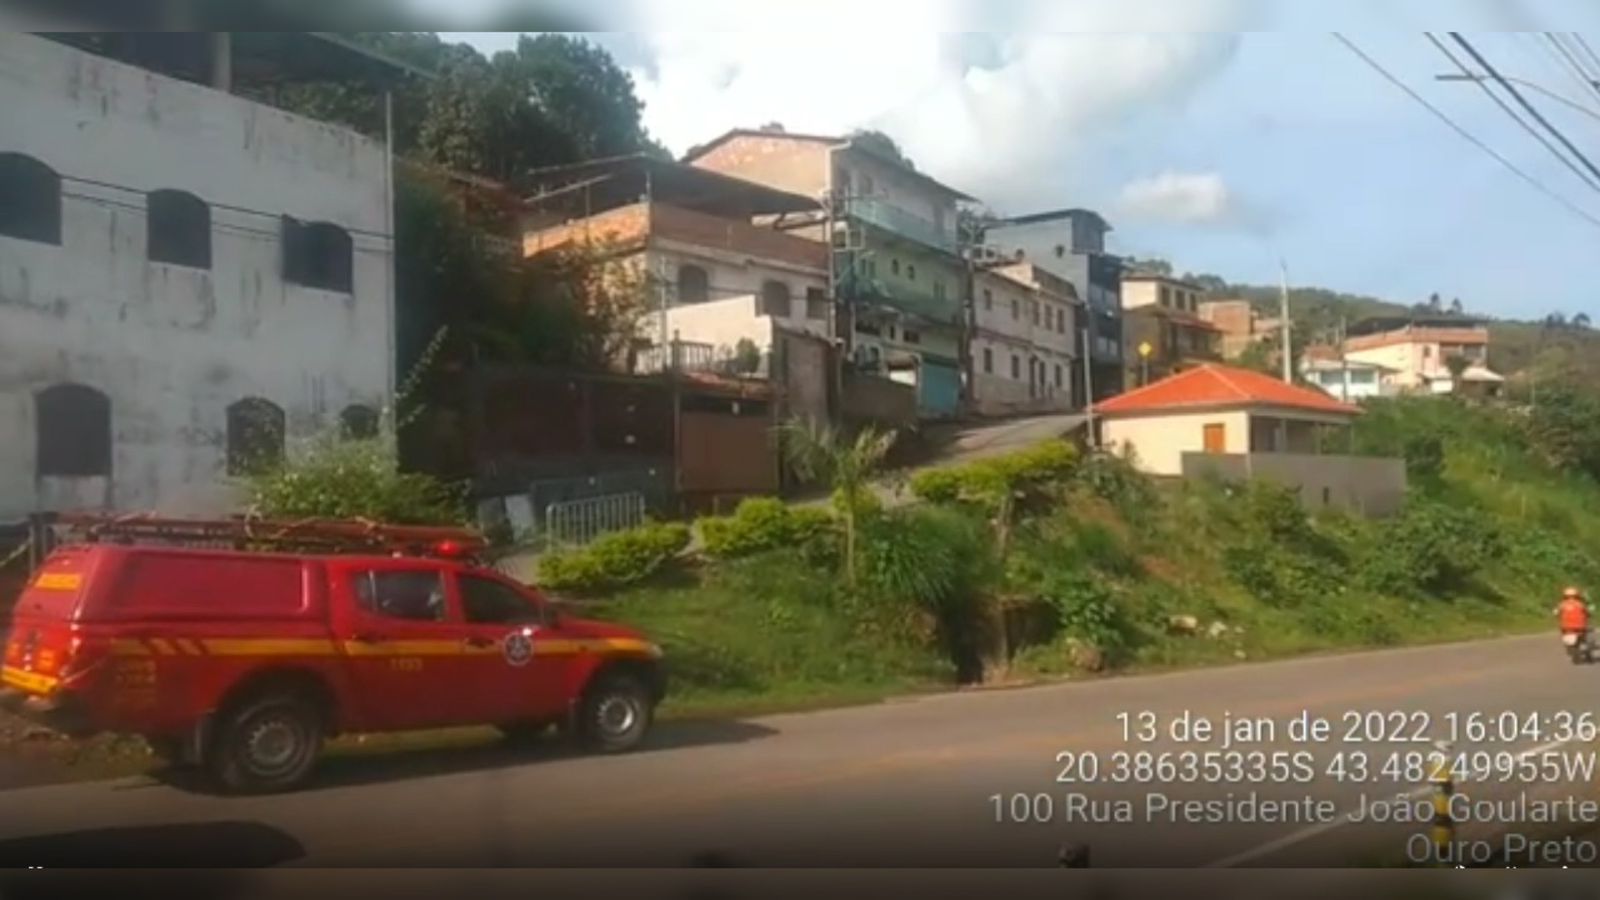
x: 1242, y: 134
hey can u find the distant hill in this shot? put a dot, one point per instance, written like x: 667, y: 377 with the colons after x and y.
x: 1560, y: 349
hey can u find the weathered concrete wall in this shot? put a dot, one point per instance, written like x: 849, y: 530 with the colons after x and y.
x: 171, y: 346
x: 869, y: 399
x: 1372, y: 486
x: 807, y: 371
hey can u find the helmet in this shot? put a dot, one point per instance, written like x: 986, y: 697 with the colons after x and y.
x: 1573, y: 593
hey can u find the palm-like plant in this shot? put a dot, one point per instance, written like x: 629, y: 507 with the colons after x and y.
x: 819, y: 452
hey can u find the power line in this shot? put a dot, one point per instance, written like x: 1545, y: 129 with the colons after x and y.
x: 1478, y: 80
x: 1532, y: 110
x: 1467, y: 135
x: 1589, y: 51
x: 1575, y: 68
x: 1575, y: 53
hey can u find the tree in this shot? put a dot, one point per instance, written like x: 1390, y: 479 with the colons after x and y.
x: 1556, y: 321
x: 880, y: 144
x: 578, y: 84
x: 1258, y: 356
x: 554, y: 99
x: 820, y: 452
x: 1457, y: 364
x: 607, y: 297
x: 1456, y: 308
x: 1434, y: 303
x: 774, y: 128
x: 746, y: 357
x: 1581, y: 321
x: 480, y: 119
x: 1565, y: 427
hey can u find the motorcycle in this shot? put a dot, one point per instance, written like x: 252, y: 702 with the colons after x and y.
x: 1580, y: 647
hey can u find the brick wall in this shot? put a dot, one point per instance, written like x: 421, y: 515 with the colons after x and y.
x: 630, y: 225
x: 787, y: 163
x: 625, y: 225
x: 1234, y: 317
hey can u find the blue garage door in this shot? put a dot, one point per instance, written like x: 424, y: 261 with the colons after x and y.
x: 938, y: 390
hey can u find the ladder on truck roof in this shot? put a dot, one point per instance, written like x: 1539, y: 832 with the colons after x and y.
x: 327, y: 536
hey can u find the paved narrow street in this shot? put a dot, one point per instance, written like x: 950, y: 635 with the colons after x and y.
x: 907, y: 783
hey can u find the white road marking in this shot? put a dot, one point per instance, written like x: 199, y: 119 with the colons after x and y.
x: 1306, y: 834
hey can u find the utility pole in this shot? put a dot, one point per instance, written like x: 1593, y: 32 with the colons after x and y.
x: 1283, y: 312
x: 1344, y: 364
x: 661, y: 286
x: 1088, y: 387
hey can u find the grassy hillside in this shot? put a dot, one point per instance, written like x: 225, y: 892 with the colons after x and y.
x: 1107, y: 571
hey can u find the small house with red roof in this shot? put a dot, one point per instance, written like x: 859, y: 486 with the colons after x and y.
x: 1242, y: 424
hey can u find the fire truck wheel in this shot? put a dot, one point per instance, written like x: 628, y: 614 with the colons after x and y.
x: 615, y: 714
x: 267, y: 743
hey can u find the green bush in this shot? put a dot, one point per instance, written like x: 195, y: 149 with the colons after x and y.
x: 1115, y: 480
x: 1279, y: 576
x: 341, y: 478
x: 1432, y: 548
x: 1424, y: 456
x: 760, y: 524
x: 1033, y: 469
x: 925, y: 557
x: 1276, y: 512
x: 770, y: 625
x: 1086, y: 609
x: 941, y: 484
x: 614, y: 560
x: 1103, y: 549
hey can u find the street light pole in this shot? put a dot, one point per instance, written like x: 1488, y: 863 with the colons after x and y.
x: 1283, y: 312
x: 1530, y: 86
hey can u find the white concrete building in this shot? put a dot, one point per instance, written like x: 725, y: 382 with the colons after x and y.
x: 1023, y: 341
x: 1419, y: 348
x: 188, y: 281
x: 1349, y: 380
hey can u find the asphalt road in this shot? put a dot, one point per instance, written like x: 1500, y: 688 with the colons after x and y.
x: 900, y: 784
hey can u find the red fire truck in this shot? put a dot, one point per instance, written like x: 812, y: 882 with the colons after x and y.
x: 240, y: 646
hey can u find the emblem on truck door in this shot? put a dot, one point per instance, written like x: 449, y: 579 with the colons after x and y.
x: 518, y: 647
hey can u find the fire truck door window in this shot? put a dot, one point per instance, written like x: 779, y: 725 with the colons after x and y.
x: 485, y: 601
x: 412, y: 596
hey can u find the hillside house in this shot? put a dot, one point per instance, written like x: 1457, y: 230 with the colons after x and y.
x: 1239, y: 424
x: 1419, y: 348
x: 1024, y: 341
x: 1162, y: 327
x: 898, y: 269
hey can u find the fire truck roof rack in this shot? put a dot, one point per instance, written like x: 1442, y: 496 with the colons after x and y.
x: 329, y: 536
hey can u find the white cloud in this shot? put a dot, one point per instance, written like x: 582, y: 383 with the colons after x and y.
x: 1187, y: 198
x: 1001, y: 115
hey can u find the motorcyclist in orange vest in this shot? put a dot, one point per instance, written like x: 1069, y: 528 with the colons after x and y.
x: 1572, y: 612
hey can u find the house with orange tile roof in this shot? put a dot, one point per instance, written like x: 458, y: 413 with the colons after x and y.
x: 1241, y: 424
